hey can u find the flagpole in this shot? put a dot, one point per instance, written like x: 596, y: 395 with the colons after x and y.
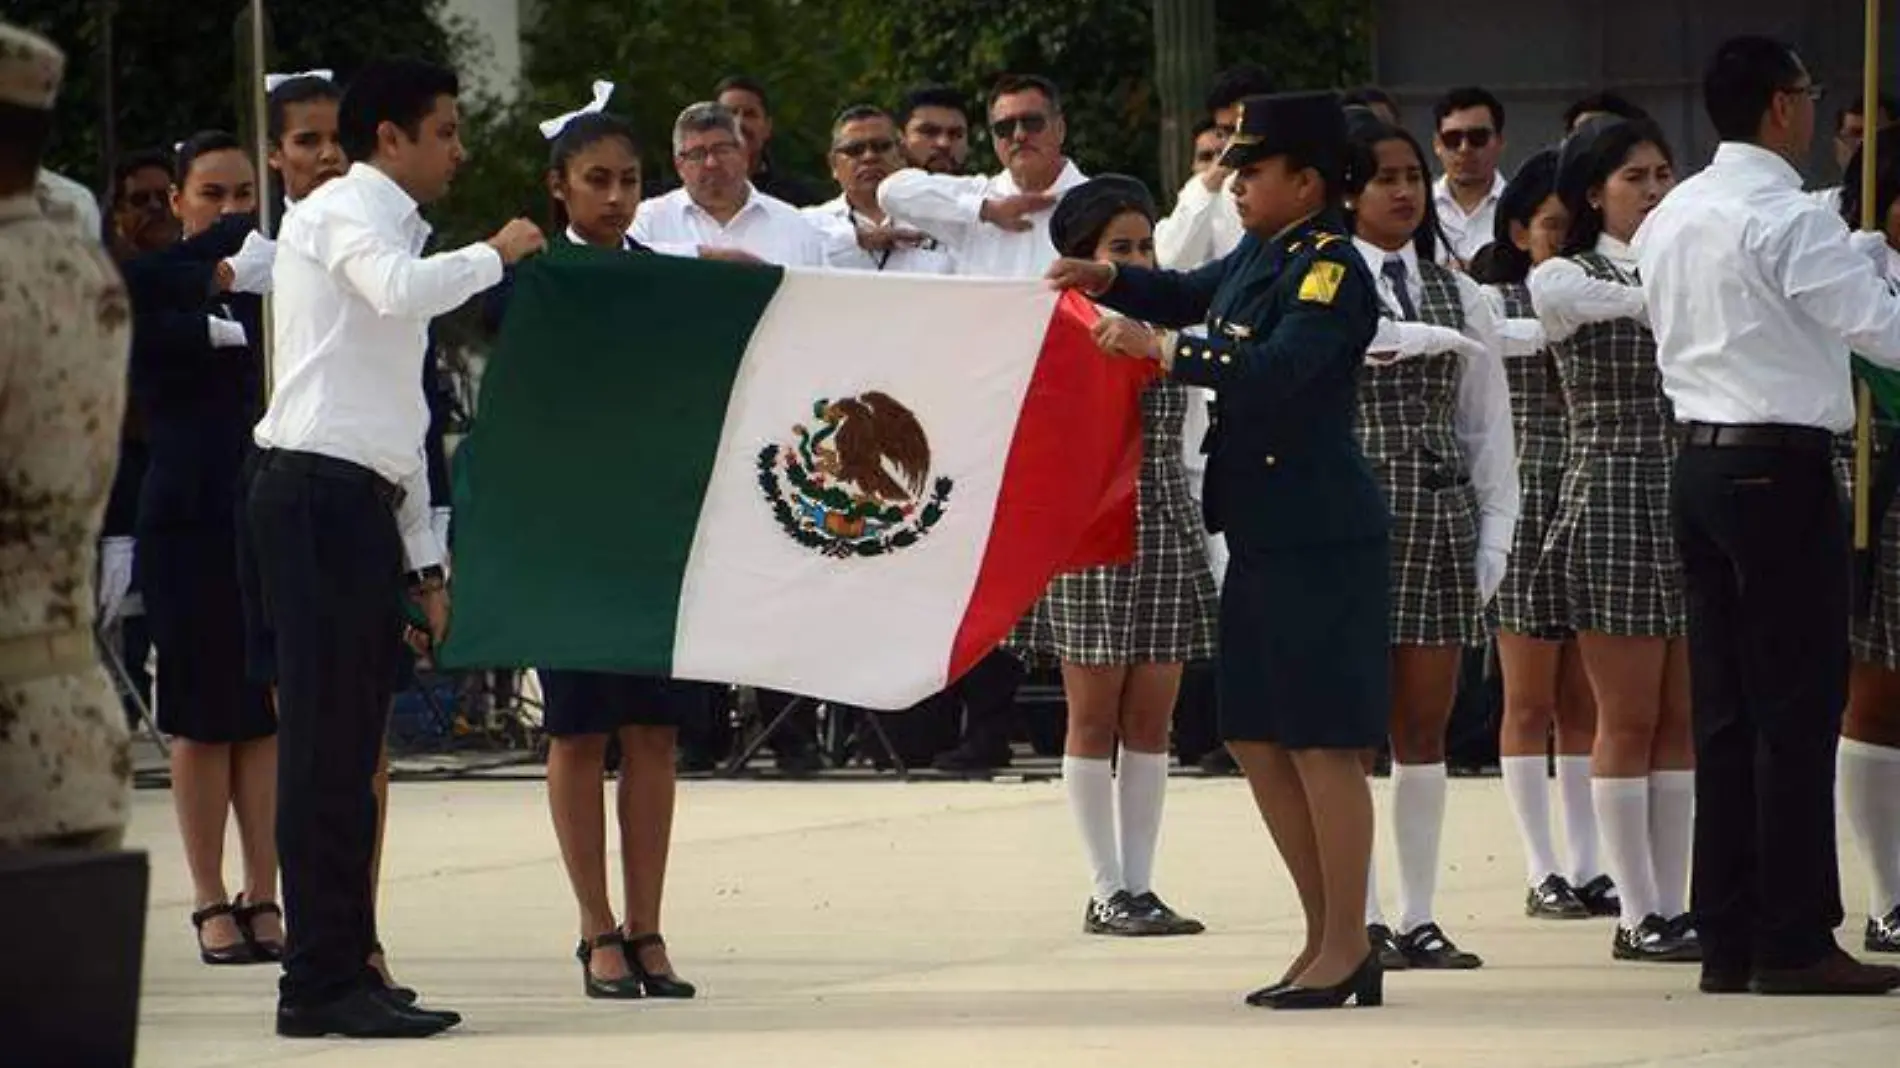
x: 1863, y: 397
x: 260, y: 105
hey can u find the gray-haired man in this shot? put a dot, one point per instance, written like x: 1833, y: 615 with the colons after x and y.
x: 716, y: 206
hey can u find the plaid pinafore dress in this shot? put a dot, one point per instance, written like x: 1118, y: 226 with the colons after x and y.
x: 1406, y: 428
x: 1876, y: 639
x: 1611, y: 547
x: 1531, y: 601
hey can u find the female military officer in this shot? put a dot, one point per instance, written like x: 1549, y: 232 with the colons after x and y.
x: 1303, y: 672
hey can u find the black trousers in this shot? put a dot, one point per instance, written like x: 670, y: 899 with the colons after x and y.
x: 329, y: 560
x: 1763, y: 537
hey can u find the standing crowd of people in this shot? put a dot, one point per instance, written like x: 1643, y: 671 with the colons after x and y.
x: 1576, y: 409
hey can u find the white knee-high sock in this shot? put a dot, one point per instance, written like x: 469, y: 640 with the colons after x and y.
x: 1374, y: 914
x: 1580, y: 818
x: 1090, y: 784
x: 1141, y: 785
x: 1418, y: 820
x: 1672, y: 837
x: 1869, y: 781
x: 1527, y: 788
x: 1623, y: 820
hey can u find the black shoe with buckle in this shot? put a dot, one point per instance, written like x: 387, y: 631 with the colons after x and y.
x: 1883, y: 934
x: 1654, y: 941
x: 1165, y: 920
x: 1386, y: 945
x: 1682, y: 929
x: 1553, y: 899
x: 1600, y: 897
x: 1119, y: 915
x: 1428, y: 947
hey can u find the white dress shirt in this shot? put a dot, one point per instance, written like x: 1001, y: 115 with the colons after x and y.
x: 1756, y: 297
x: 1482, y: 419
x: 947, y: 207
x: 1203, y: 227
x: 840, y: 224
x: 353, y: 302
x: 764, y: 226
x: 1830, y: 199
x: 1568, y: 298
x: 1466, y: 233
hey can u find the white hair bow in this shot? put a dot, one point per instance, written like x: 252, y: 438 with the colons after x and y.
x: 272, y: 81
x: 552, y: 128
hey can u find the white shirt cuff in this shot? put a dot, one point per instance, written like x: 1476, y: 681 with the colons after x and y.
x: 1495, y: 532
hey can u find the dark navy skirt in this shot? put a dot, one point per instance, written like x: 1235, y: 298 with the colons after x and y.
x: 1303, y: 660
x: 598, y: 702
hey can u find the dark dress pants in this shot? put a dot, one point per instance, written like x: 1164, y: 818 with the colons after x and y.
x: 330, y: 563
x: 1763, y: 538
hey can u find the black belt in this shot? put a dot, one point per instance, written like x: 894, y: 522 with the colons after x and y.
x: 320, y: 466
x: 1759, y: 436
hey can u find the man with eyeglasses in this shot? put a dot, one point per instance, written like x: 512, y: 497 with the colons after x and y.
x: 717, y: 211
x: 1205, y: 225
x: 1468, y: 137
x: 936, y: 131
x: 142, y: 219
x: 1850, y: 125
x: 858, y: 233
x: 1756, y: 295
x: 998, y: 226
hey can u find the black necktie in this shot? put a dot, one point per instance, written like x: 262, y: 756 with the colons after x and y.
x: 1394, y: 271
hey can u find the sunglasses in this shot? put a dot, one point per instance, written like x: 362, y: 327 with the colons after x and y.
x: 876, y: 146
x: 1476, y: 137
x: 1032, y: 124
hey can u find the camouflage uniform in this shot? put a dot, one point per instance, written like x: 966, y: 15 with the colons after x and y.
x: 65, y: 771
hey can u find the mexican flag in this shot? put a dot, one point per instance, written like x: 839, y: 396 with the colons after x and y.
x: 841, y: 484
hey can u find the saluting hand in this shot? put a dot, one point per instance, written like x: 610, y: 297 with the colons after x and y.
x: 1011, y: 213
x: 1125, y: 337
x: 1086, y: 275
x: 518, y: 240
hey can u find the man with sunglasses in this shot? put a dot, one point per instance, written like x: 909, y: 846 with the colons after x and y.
x: 996, y: 227
x: 1468, y: 136
x: 1204, y: 225
x: 936, y: 131
x: 858, y: 234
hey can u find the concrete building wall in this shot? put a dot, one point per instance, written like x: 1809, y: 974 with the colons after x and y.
x: 497, y: 24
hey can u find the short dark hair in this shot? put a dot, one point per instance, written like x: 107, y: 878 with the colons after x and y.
x: 1587, y: 160
x: 744, y: 84
x: 580, y: 132
x: 929, y: 96
x: 857, y: 113
x: 1362, y: 165
x: 1501, y: 262
x: 1607, y: 102
x: 1237, y: 83
x: 1742, y: 81
x: 1367, y: 95
x: 199, y: 145
x: 1469, y: 96
x: 148, y: 159
x: 402, y: 91
x: 301, y: 90
x: 1888, y: 108
x: 1023, y: 83
x: 24, y: 134
x: 1200, y: 128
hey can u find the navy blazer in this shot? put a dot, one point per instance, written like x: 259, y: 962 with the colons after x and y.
x: 1289, y: 320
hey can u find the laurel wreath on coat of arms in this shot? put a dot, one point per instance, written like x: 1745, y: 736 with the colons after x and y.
x: 853, y: 483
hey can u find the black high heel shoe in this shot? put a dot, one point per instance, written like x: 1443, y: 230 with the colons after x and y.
x: 243, y: 951
x: 657, y: 986
x: 1365, y: 986
x: 626, y: 988
x: 246, y: 914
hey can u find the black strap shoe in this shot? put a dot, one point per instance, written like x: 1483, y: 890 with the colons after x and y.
x: 1120, y: 916
x: 1600, y: 897
x: 1654, y: 941
x: 1883, y: 934
x: 657, y: 985
x: 246, y: 913
x: 1385, y: 945
x: 362, y: 1013
x: 626, y: 988
x: 243, y: 951
x: 1166, y: 920
x: 1428, y: 947
x: 1553, y: 899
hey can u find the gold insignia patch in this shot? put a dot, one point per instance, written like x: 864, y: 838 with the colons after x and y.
x: 1321, y: 283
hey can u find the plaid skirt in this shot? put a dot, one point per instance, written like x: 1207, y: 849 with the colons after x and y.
x: 1611, y: 548
x: 1160, y: 608
x: 1434, y: 552
x: 1876, y: 639
x: 1531, y: 600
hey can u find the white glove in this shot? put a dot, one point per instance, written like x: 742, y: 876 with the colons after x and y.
x: 250, y: 268
x: 1397, y: 341
x: 1492, y: 563
x: 115, y: 577
x: 225, y: 334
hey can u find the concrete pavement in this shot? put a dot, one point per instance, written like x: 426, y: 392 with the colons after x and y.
x: 876, y: 923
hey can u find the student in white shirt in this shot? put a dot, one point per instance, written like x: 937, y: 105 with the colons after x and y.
x: 1544, y: 684
x: 996, y: 227
x: 1609, y: 546
x: 1435, y: 423
x: 858, y: 234
x: 1758, y: 294
x: 716, y: 206
x: 1869, y: 764
x: 339, y: 515
x: 1205, y: 225
x: 1468, y: 137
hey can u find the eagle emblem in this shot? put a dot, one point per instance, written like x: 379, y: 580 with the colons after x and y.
x: 856, y: 481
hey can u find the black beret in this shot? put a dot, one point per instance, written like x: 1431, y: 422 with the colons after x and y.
x: 1085, y: 211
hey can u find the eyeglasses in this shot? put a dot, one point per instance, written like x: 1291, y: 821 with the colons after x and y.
x: 1031, y: 124
x: 724, y: 150
x: 1456, y: 140
x: 876, y: 146
x: 1814, y: 91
